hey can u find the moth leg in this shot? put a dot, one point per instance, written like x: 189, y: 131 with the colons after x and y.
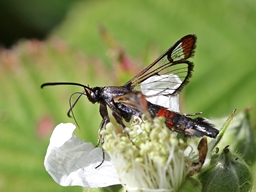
x: 192, y: 114
x: 120, y: 122
x: 103, y: 154
x: 118, y: 119
x: 100, y: 138
x: 104, y: 121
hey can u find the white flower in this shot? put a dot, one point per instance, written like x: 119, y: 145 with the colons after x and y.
x: 155, y: 160
x: 72, y: 162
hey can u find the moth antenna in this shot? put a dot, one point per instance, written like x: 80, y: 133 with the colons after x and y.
x: 64, y: 83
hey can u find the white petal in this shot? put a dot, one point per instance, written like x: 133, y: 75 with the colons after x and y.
x: 151, y: 87
x: 71, y: 161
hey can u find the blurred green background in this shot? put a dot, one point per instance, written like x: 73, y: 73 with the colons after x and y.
x: 224, y: 77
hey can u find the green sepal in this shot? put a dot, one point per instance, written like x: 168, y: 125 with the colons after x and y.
x: 113, y: 188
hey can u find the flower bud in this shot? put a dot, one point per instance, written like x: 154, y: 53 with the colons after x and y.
x: 227, y: 172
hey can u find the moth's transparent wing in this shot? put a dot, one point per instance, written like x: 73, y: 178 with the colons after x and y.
x: 173, y: 61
